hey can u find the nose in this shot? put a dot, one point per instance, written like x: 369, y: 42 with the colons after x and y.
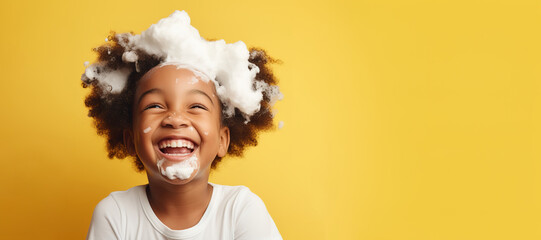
x: 175, y: 120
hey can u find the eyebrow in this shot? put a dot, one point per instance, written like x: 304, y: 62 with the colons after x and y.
x: 154, y: 90
x: 201, y: 92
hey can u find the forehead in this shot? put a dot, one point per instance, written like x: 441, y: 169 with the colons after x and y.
x: 171, y: 77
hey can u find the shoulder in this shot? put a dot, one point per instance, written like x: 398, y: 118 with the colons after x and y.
x: 128, y: 198
x: 251, y: 218
x: 231, y: 192
x: 237, y: 193
x: 106, y: 207
x: 239, y: 198
x: 107, y: 218
x: 119, y: 201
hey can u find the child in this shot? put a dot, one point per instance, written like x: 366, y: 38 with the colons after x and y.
x: 178, y: 104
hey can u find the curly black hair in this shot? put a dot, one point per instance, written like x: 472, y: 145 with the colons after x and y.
x: 112, y: 112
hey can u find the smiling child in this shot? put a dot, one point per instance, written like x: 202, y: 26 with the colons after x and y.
x: 178, y: 104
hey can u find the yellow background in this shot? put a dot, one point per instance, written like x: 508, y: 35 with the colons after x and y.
x: 402, y: 119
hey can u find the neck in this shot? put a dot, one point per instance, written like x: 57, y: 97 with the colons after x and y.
x: 169, y: 198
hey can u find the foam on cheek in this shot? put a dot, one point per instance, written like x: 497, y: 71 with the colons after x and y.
x: 146, y: 130
x: 181, y: 170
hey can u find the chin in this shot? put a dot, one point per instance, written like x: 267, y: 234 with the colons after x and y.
x: 179, y: 181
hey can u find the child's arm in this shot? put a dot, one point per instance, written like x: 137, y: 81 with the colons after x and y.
x: 253, y: 219
x: 105, y: 223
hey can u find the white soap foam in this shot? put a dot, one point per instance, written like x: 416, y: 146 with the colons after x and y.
x: 113, y: 80
x: 198, y: 74
x: 146, y: 130
x: 176, y: 41
x: 194, y: 80
x: 130, y: 56
x: 280, y: 124
x: 182, y: 170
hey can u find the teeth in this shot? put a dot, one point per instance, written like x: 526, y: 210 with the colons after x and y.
x: 176, y: 143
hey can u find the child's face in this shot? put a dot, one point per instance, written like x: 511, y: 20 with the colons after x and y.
x: 173, y: 107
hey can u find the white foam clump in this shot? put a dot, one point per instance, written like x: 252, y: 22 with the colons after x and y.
x: 146, y: 130
x: 112, y: 80
x: 174, y: 40
x: 129, y: 56
x: 182, y: 170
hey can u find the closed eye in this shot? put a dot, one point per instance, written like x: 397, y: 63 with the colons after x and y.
x: 152, y: 106
x: 198, y: 106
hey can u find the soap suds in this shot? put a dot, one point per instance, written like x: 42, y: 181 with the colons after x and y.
x: 194, y: 80
x: 146, y: 130
x: 198, y: 74
x: 181, y: 170
x: 130, y: 56
x: 280, y: 124
x: 175, y: 41
x: 113, y: 81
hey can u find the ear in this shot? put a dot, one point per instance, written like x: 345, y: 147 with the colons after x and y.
x: 224, y: 141
x: 128, y: 141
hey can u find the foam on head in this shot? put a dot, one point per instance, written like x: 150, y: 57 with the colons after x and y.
x: 177, y: 42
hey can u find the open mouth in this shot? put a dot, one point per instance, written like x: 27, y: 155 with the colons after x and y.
x: 176, y: 147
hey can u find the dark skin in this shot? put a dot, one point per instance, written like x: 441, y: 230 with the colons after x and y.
x: 170, y: 103
x: 112, y: 113
x: 179, y: 208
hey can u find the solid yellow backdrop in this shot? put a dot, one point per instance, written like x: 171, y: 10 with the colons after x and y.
x: 402, y: 120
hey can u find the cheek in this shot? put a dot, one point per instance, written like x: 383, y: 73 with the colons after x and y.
x: 146, y: 130
x: 144, y: 124
x: 208, y: 131
x: 205, y: 127
x: 143, y: 128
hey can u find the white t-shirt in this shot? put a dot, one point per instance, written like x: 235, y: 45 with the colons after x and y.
x: 234, y: 212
